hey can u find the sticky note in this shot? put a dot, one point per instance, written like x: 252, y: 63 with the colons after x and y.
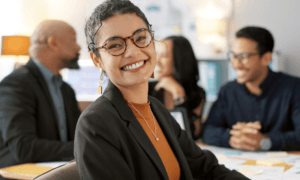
x: 270, y: 162
x: 247, y: 171
x: 222, y: 159
x: 277, y: 154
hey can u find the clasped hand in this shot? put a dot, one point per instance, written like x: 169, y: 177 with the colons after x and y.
x: 246, y: 136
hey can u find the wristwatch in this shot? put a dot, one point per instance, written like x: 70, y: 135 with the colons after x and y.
x: 179, y: 101
x: 265, y: 143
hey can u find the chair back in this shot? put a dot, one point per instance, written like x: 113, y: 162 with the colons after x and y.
x: 66, y: 171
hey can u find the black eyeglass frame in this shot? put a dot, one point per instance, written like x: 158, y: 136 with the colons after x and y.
x: 240, y: 56
x: 131, y: 38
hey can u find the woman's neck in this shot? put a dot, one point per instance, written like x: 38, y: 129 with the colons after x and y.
x: 136, y: 93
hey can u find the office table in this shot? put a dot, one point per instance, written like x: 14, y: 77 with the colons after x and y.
x: 259, y: 165
x: 232, y: 159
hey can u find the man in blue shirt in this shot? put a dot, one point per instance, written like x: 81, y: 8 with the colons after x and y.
x: 38, y: 110
x: 260, y: 110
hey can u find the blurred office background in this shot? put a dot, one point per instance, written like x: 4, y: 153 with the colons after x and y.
x: 210, y: 26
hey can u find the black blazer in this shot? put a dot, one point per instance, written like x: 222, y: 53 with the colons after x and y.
x: 28, y: 124
x: 110, y: 144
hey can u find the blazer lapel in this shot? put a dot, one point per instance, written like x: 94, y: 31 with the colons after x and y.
x: 36, y: 72
x: 69, y: 112
x: 115, y: 96
x: 173, y: 142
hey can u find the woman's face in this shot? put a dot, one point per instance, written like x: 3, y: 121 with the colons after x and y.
x: 135, y: 65
x: 164, y: 66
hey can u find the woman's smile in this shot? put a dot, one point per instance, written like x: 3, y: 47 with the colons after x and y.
x: 134, y: 66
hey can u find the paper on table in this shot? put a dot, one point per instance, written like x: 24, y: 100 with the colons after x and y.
x: 223, y: 151
x: 52, y: 164
x: 277, y: 154
x: 29, y: 170
x: 270, y: 162
x: 268, y: 172
x: 23, y: 171
x: 222, y: 159
x: 247, y: 171
x: 293, y: 173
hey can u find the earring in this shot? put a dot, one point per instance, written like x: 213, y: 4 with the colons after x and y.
x: 99, y: 90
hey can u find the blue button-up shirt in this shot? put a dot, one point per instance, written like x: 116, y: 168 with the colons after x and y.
x: 54, y: 84
x: 277, y: 108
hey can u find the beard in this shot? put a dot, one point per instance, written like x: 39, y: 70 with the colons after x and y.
x: 73, y: 63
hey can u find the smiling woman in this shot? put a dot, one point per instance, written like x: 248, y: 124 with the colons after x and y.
x: 126, y: 134
x: 177, y: 75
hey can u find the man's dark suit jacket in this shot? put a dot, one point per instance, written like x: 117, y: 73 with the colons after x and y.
x: 110, y: 144
x: 28, y: 123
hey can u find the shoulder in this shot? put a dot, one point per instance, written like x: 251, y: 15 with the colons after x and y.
x: 99, y: 115
x: 287, y: 83
x: 282, y: 82
x: 18, y: 74
x: 154, y: 101
x: 67, y: 87
x: 101, y: 120
x: 286, y: 78
x: 21, y: 77
x: 200, y: 91
x: 230, y: 87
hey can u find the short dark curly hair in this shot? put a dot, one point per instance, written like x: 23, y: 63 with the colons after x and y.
x: 262, y: 36
x: 105, y: 10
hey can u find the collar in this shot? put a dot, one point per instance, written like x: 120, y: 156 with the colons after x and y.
x: 48, y: 75
x: 112, y: 93
x: 265, y: 85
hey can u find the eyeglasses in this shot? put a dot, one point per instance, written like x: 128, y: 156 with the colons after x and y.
x: 243, y: 57
x: 117, y: 45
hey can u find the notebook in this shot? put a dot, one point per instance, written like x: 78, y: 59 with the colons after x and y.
x: 28, y: 171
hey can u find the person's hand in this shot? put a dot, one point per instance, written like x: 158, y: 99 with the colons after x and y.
x: 246, y: 136
x: 247, y: 126
x: 169, y: 84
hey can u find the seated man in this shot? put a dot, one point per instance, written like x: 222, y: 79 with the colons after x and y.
x: 38, y: 110
x: 260, y: 110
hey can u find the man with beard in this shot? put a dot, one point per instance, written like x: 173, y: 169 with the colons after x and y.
x: 260, y: 110
x: 38, y: 110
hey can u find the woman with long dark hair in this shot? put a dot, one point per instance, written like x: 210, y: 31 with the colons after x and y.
x: 177, y: 76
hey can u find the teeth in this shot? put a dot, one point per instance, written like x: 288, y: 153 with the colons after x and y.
x: 134, y: 66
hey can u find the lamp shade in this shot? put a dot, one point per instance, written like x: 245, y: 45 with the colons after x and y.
x: 15, y: 45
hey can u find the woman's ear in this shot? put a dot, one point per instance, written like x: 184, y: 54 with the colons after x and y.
x: 96, y: 60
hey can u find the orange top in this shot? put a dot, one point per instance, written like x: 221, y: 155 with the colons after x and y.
x: 162, y: 146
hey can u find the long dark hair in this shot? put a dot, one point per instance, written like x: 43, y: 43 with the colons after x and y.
x: 185, y: 67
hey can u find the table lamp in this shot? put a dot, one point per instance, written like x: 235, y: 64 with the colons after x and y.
x: 15, y: 48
